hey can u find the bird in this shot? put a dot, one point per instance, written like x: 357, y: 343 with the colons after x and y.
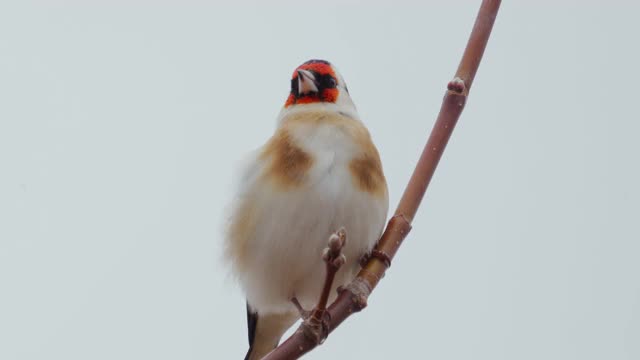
x: 318, y: 172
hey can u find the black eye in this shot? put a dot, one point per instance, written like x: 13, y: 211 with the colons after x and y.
x: 328, y: 82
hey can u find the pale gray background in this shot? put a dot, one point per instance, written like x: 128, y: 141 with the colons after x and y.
x: 122, y: 124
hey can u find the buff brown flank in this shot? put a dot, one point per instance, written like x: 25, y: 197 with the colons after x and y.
x: 289, y: 164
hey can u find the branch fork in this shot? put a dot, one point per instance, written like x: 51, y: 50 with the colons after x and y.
x: 315, y: 325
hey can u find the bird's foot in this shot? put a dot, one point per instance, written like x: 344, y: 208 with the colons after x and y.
x: 304, y: 314
x: 315, y: 322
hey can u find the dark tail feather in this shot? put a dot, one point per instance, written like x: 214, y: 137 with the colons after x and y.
x: 252, y: 324
x: 265, y: 331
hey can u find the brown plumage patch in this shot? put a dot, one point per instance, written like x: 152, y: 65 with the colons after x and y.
x: 366, y: 171
x: 289, y: 164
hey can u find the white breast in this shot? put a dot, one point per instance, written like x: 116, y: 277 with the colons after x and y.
x: 290, y: 228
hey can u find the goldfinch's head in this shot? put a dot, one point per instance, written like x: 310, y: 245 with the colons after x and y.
x: 318, y: 82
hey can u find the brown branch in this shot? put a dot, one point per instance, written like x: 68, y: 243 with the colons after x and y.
x: 353, y: 297
x: 334, y: 259
x: 316, y: 322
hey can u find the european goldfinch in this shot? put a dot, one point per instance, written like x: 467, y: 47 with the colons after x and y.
x: 320, y: 171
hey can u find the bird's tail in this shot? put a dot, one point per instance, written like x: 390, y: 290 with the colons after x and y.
x: 265, y: 331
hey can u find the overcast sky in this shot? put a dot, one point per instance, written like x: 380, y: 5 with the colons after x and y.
x: 123, y: 123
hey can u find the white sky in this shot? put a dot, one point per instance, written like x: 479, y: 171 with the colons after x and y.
x: 122, y: 124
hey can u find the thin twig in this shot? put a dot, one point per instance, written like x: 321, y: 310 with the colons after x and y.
x: 353, y: 297
x: 316, y: 325
x: 333, y: 259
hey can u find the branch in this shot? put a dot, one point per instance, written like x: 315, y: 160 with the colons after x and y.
x: 353, y: 297
x: 315, y: 323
